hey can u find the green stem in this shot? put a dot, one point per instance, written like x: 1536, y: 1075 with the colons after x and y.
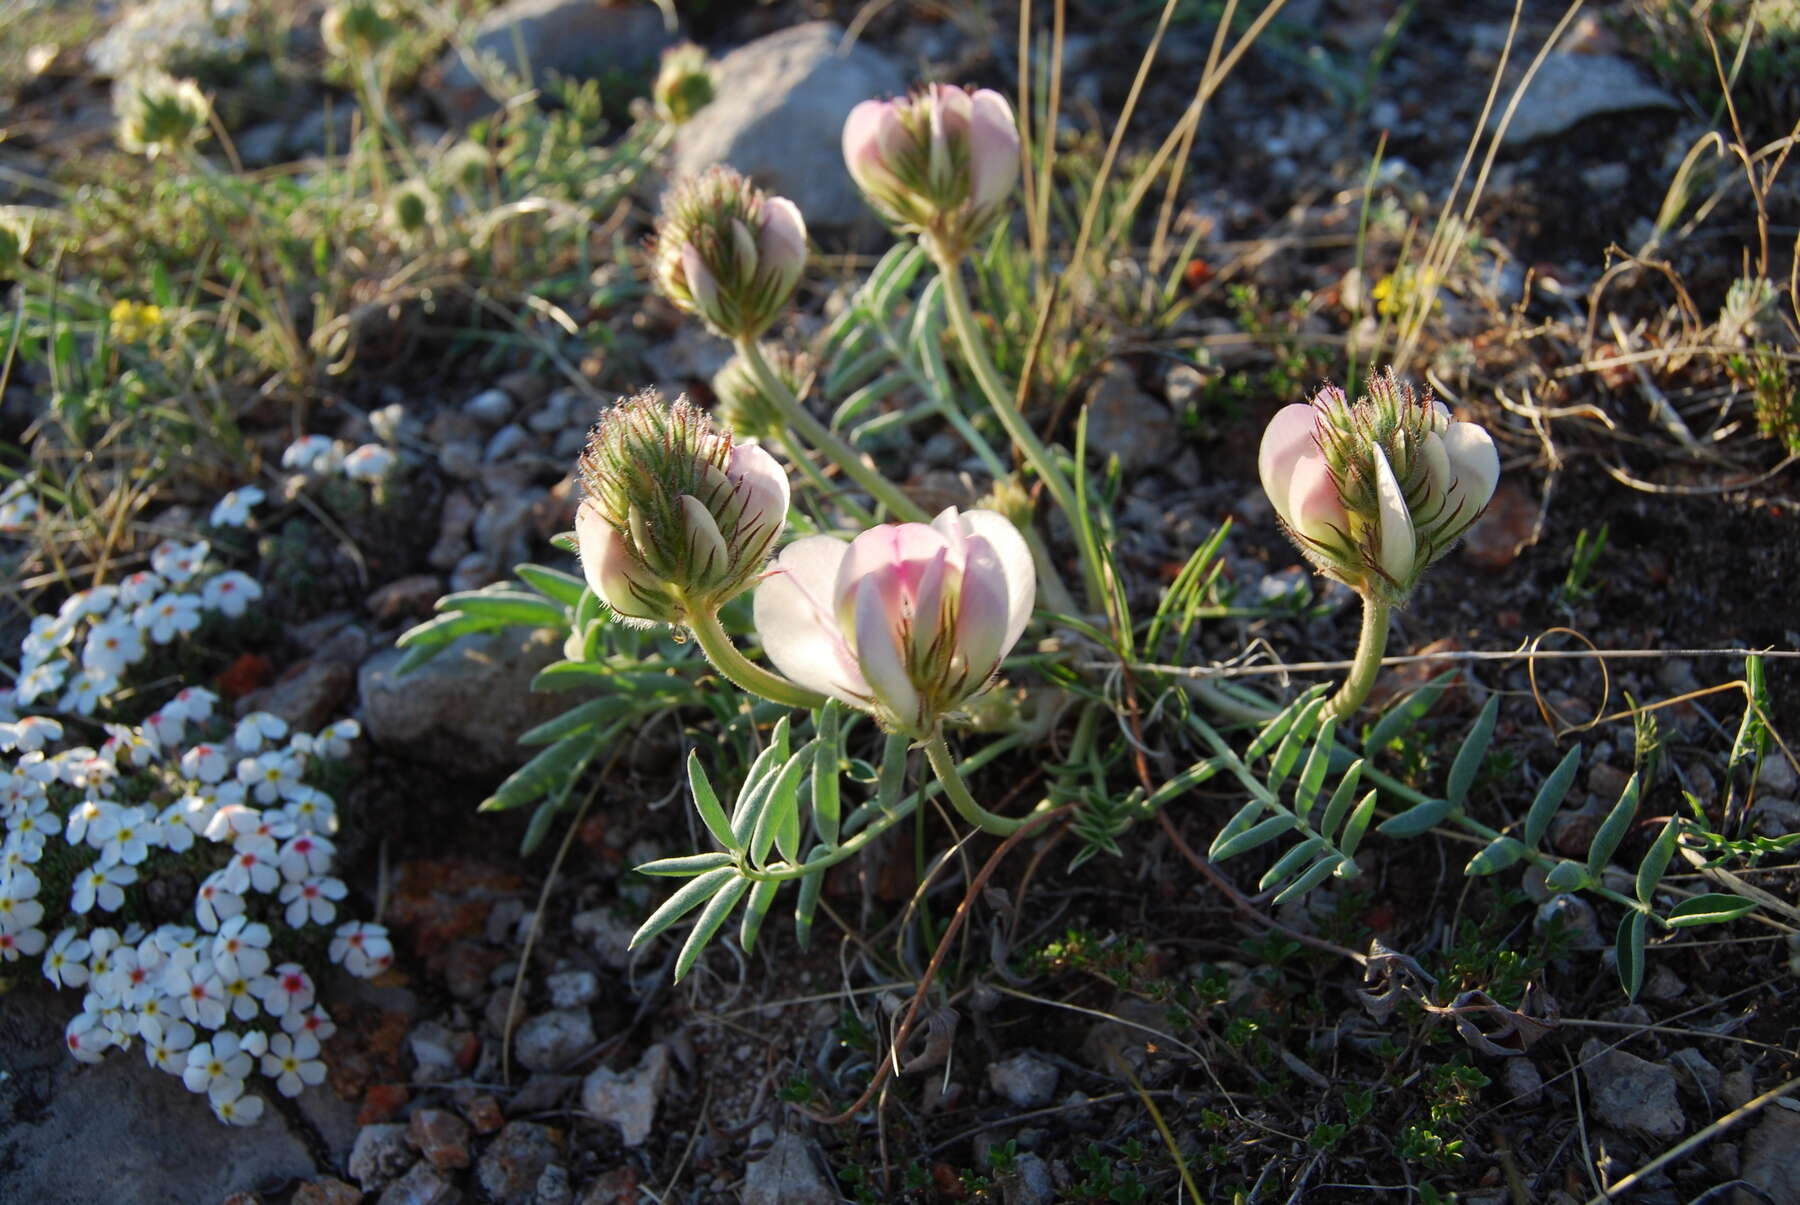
x: 825, y: 440
x: 962, y: 319
x: 710, y: 635
x: 810, y: 471
x: 1369, y: 647
x: 944, y: 766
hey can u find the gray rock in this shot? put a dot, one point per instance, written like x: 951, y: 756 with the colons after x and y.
x: 73, y: 1132
x: 510, y: 1167
x: 1631, y: 1093
x: 490, y: 407
x: 474, y: 571
x: 580, y: 39
x: 465, y: 708
x: 550, y: 1041
x: 460, y: 459
x: 324, y: 131
x: 1029, y: 1183
x: 628, y: 1099
x: 1776, y: 775
x: 779, y: 118
x: 1025, y: 1080
x: 507, y: 441
x: 572, y: 989
x: 1570, y: 88
x: 261, y: 144
x: 1697, y: 1069
x: 1772, y: 1152
x: 421, y: 1185
x: 382, y: 1152
x: 1524, y: 1081
x: 787, y: 1175
x: 431, y: 1050
x: 152, y: 33
x: 607, y: 935
x: 307, y: 696
x: 553, y: 1187
x: 1126, y: 422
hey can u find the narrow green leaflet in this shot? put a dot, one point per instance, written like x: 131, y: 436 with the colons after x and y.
x: 512, y: 608
x: 1421, y: 817
x: 1339, y: 807
x: 1613, y: 829
x: 1312, y: 777
x: 686, y: 898
x: 706, y: 802
x: 826, y: 796
x: 756, y: 785
x: 717, y: 909
x: 1650, y: 870
x: 1497, y: 855
x: 1409, y: 711
x: 1291, y: 862
x: 553, y: 584
x: 1550, y: 797
x: 761, y: 896
x: 1236, y: 826
x: 1474, y: 749
x: 1712, y: 909
x: 539, y: 828
x: 551, y: 768
x: 1315, y: 874
x: 779, y: 807
x: 806, y: 903
x: 1630, y: 951
x: 579, y: 718
x: 1260, y: 834
x: 1278, y: 727
x: 1358, y: 824
x: 1305, y: 724
x: 686, y: 865
x: 430, y: 638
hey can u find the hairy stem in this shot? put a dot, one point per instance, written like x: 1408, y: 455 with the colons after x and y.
x: 1369, y: 647
x: 810, y: 471
x: 825, y: 440
x: 944, y: 766
x: 710, y: 635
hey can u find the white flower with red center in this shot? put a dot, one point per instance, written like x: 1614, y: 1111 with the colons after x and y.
x: 216, y: 902
x: 362, y: 948
x: 129, y: 980
x: 87, y: 1037
x: 112, y: 647
x: 315, y: 1021
x: 139, y: 588
x: 207, y: 763
x: 27, y: 943
x: 287, y: 988
x: 293, y: 1063
x: 40, y: 680
x: 309, y: 901
x: 201, y: 992
x: 215, y: 1063
x: 192, y: 703
x: 168, y: 616
x: 230, y: 593
x: 179, y: 562
x: 133, y: 746
x: 306, y: 856
x: 101, y: 887
x: 369, y: 463
x: 165, y: 728
x: 29, y: 734
x: 311, y: 454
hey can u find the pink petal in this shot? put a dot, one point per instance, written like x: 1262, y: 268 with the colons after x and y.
x: 993, y: 148
x: 795, y: 622
x: 783, y: 241
x: 1287, y: 438
x: 701, y: 285
x: 765, y: 486
x: 1314, y: 508
x: 608, y: 564
x: 896, y: 554
x: 981, y: 621
x: 707, y: 553
x: 880, y: 655
x: 866, y: 134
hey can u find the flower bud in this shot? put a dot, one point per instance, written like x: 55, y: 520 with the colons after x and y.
x: 15, y: 241
x: 1374, y: 491
x: 907, y: 621
x: 412, y: 208
x: 683, y: 84
x: 940, y: 163
x: 675, y: 519
x: 729, y: 252
x: 357, y: 28
x: 465, y: 165
x: 745, y: 407
x: 159, y: 114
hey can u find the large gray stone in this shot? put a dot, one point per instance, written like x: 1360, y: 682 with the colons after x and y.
x: 1570, y: 88
x: 84, y: 1132
x: 1630, y: 1093
x: 787, y: 1175
x: 465, y: 708
x: 581, y: 39
x: 778, y: 117
x: 1772, y: 1152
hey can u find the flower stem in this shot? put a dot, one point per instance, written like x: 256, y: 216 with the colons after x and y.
x: 962, y: 318
x: 825, y: 440
x: 710, y: 635
x: 944, y: 766
x: 810, y: 471
x: 1369, y: 647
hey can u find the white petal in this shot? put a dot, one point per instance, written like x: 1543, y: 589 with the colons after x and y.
x: 796, y: 623
x: 879, y: 654
x: 1014, y: 556
x: 1477, y: 466
x: 1287, y: 438
x: 1396, y: 546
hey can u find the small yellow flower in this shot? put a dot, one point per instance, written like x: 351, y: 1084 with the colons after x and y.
x: 134, y: 321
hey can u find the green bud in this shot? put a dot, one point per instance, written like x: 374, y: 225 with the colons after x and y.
x: 684, y: 84
x: 159, y: 114
x: 743, y: 404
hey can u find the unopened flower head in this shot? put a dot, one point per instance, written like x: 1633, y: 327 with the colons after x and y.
x: 15, y: 240
x: 907, y: 621
x: 941, y: 162
x: 675, y: 519
x: 412, y: 209
x: 729, y: 252
x: 466, y: 165
x: 357, y: 28
x: 1374, y: 491
x: 683, y: 84
x: 159, y: 114
x: 745, y: 406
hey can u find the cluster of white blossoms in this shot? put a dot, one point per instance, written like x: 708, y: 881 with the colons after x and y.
x: 79, y: 656
x: 183, y: 795
x: 317, y: 456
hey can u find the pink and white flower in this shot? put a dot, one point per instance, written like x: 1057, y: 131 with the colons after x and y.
x: 907, y: 621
